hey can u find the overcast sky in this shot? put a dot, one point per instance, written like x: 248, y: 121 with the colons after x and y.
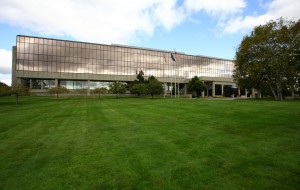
x: 198, y: 27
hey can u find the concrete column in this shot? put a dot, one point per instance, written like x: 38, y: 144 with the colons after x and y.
x: 246, y: 92
x: 15, y: 81
x: 165, y: 89
x: 89, y: 88
x: 207, y: 92
x: 202, y: 94
x: 30, y: 83
x: 239, y: 92
x: 213, y: 90
x: 56, y: 82
x: 19, y: 83
x: 222, y: 89
x: 42, y: 84
x: 253, y: 93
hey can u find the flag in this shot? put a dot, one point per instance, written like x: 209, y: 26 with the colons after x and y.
x: 173, y: 57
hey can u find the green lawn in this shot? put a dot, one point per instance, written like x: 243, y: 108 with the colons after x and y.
x: 141, y: 143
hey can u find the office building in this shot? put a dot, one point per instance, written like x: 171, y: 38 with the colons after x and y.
x: 41, y: 63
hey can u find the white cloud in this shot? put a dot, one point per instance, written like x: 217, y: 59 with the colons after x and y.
x: 275, y: 9
x: 117, y: 21
x: 5, y: 78
x: 216, y: 8
x: 5, y: 61
x: 105, y: 21
x: 109, y: 21
x: 5, y: 66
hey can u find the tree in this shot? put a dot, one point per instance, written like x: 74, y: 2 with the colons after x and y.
x: 4, y: 89
x: 17, y: 91
x: 264, y: 57
x: 99, y: 91
x: 139, y: 86
x: 196, y: 86
x: 294, y: 82
x: 58, y: 90
x: 154, y: 86
x: 140, y: 77
x: 117, y: 88
x: 139, y: 89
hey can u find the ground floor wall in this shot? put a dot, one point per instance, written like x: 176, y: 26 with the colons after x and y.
x: 216, y: 87
x: 213, y: 88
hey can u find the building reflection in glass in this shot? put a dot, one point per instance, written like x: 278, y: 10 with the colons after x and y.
x: 59, y: 56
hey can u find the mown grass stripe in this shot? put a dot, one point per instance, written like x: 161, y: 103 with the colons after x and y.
x: 143, y: 143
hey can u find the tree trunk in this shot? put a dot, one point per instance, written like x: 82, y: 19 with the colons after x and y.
x: 279, y: 92
x: 275, y: 96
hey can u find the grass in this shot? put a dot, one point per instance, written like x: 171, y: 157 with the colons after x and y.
x: 141, y: 143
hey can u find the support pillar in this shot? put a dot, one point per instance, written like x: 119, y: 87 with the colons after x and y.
x: 213, y: 90
x: 42, y: 84
x: 30, y: 83
x: 185, y: 89
x: 89, y: 88
x: 239, y: 92
x: 19, y: 83
x: 222, y: 89
x: 56, y: 82
x: 207, y: 92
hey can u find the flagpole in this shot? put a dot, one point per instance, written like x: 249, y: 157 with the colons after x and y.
x: 175, y: 80
x: 175, y: 90
x: 164, y: 76
x: 178, y: 79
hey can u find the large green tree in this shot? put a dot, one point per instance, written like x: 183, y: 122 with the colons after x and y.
x: 154, y: 86
x: 140, y: 77
x: 139, y: 89
x: 196, y: 86
x: 267, y: 58
x: 294, y: 82
x: 138, y: 86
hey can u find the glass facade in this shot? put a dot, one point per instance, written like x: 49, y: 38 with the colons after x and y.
x: 60, y: 56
